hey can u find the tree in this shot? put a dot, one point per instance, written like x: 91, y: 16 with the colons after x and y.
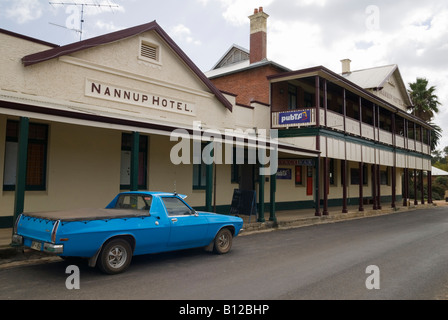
x: 425, y: 103
x: 436, y: 134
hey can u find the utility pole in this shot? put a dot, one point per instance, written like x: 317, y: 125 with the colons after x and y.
x: 82, y: 12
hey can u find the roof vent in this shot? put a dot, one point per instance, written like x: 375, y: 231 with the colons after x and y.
x: 149, y: 51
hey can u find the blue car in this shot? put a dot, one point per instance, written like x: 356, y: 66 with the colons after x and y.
x: 134, y: 223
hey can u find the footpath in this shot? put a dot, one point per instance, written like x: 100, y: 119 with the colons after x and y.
x: 12, y: 256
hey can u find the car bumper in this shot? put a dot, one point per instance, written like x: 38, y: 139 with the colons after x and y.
x: 18, y: 240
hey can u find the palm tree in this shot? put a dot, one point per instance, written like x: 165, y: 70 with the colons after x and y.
x: 424, y: 101
x: 436, y: 134
x: 425, y: 105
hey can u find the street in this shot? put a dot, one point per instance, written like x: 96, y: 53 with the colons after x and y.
x: 330, y: 261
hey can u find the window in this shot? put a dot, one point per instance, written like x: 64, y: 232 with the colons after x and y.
x: 199, y: 176
x: 308, y: 100
x: 36, y: 160
x: 176, y: 207
x: 125, y: 173
x: 199, y: 171
x: 354, y: 175
x: 292, y: 97
x: 332, y: 172
x: 134, y: 202
x: 384, y: 176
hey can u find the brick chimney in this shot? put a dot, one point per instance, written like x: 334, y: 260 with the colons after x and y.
x: 258, y: 35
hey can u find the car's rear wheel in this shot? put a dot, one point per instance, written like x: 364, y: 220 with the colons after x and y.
x: 223, y: 241
x: 115, y: 257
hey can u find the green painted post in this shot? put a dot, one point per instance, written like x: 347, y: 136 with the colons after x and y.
x: 260, y: 196
x: 273, y: 190
x: 209, y: 187
x: 134, y: 160
x: 22, y: 158
x: 209, y: 179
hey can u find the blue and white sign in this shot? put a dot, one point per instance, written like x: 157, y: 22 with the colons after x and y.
x: 294, y: 117
x: 284, y: 174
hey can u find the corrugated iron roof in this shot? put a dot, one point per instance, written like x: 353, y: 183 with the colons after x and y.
x: 371, y: 78
x: 438, y: 172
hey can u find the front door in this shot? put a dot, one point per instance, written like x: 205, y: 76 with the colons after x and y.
x: 247, y: 177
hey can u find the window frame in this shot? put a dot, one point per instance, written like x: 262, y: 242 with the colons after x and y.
x: 43, y: 156
x: 190, y: 209
x: 137, y: 196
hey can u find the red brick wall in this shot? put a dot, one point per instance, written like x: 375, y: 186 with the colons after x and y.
x: 249, y: 85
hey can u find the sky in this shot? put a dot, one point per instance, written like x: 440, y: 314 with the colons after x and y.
x: 301, y: 33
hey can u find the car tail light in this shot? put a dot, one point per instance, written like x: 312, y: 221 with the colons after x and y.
x: 14, y: 230
x: 53, y: 232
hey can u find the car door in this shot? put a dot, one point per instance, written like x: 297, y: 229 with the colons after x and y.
x: 188, y: 229
x: 151, y: 232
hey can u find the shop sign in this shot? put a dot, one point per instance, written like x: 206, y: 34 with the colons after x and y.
x: 296, y: 162
x: 109, y: 92
x: 284, y: 174
x: 295, y: 117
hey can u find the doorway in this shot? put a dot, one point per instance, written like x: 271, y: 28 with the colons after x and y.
x: 247, y: 175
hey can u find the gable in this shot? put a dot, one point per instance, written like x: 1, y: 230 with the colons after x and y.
x: 393, y: 90
x: 85, y: 47
x: 385, y: 82
x: 234, y: 55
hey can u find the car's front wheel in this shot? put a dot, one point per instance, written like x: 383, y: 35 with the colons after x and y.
x: 115, y: 257
x: 223, y: 241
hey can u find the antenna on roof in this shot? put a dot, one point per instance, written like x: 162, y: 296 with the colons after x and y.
x: 82, y: 12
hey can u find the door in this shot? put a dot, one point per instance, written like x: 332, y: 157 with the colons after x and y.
x: 247, y: 177
x: 309, y: 181
x: 151, y: 234
x: 188, y: 229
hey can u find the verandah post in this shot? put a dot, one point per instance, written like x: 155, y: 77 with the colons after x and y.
x: 134, y: 161
x: 22, y: 159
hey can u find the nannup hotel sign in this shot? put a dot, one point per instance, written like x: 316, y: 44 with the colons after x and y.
x: 96, y: 89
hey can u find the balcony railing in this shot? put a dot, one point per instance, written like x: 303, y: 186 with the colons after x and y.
x: 307, y: 117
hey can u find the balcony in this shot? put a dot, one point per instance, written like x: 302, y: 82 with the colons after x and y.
x: 301, y: 118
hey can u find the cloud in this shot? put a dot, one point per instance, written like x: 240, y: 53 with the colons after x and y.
x: 182, y: 33
x: 107, y: 26
x: 235, y: 12
x: 24, y: 11
x: 305, y: 3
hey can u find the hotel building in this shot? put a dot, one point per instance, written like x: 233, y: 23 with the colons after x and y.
x: 81, y: 122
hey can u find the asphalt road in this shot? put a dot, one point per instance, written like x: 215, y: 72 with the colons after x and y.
x: 326, y: 261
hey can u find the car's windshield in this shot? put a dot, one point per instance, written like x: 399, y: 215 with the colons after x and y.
x: 134, y: 202
x: 176, y: 207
